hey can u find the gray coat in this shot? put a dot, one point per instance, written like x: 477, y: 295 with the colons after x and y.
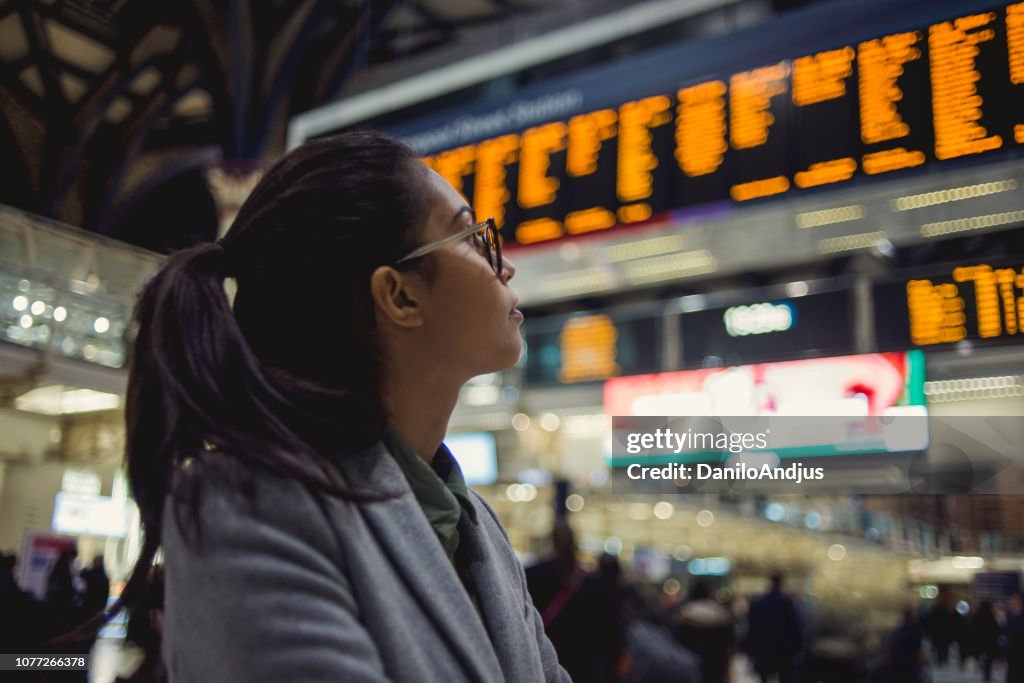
x: 312, y: 588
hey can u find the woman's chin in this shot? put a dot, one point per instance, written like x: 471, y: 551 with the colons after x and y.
x: 511, y: 354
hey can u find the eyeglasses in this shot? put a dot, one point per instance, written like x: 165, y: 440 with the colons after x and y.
x: 486, y: 240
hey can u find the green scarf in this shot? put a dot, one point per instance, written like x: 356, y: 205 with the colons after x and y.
x: 439, y: 487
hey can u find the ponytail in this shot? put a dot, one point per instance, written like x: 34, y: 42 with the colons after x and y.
x: 205, y: 375
x: 195, y: 385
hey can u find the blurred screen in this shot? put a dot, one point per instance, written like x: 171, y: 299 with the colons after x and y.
x: 477, y: 456
x: 968, y: 301
x: 590, y: 347
x: 92, y: 515
x: 811, y: 325
x: 640, y: 138
x: 814, y: 407
x: 862, y: 385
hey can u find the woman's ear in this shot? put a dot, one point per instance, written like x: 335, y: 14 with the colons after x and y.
x: 397, y: 297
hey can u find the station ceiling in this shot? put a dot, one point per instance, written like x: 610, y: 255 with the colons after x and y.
x: 113, y: 110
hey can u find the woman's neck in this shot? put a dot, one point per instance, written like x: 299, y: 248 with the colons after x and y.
x: 418, y: 407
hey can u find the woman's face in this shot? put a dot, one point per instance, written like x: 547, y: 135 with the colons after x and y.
x: 470, y: 314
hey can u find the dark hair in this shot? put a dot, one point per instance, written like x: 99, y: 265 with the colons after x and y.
x: 290, y: 374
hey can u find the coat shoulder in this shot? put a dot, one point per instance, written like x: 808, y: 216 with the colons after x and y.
x: 216, y: 495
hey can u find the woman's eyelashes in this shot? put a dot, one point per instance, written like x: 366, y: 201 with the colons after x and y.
x: 476, y: 240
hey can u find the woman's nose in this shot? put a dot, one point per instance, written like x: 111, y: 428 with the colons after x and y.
x: 508, y: 270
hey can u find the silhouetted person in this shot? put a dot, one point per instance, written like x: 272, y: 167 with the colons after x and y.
x: 944, y: 626
x: 21, y: 615
x: 94, y: 598
x: 97, y: 586
x: 578, y: 612
x: 607, y: 589
x: 62, y: 598
x: 773, y: 634
x: 60, y: 584
x: 982, y: 640
x: 652, y: 655
x: 64, y: 604
x: 705, y: 627
x: 904, y: 650
x: 1015, y: 640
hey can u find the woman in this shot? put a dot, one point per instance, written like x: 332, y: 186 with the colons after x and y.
x: 287, y: 453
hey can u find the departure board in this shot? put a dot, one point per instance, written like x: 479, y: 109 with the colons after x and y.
x: 759, y: 331
x: 590, y: 347
x: 892, y: 103
x: 977, y: 302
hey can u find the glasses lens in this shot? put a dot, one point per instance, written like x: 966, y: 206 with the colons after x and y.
x: 494, y: 244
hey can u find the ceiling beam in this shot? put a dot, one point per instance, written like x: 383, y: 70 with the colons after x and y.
x: 115, y: 80
x: 42, y: 55
x: 494, y: 63
x: 27, y: 99
x: 201, y: 29
x: 9, y: 7
x: 281, y: 78
x: 71, y: 16
x: 353, y: 52
x: 433, y: 21
x: 93, y: 111
x: 161, y: 101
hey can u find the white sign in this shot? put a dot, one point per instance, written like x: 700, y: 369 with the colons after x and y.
x: 80, y: 483
x: 741, y: 321
x: 89, y: 515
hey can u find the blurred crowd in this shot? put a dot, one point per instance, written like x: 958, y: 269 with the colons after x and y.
x: 67, y: 619
x: 608, y: 630
x: 72, y: 597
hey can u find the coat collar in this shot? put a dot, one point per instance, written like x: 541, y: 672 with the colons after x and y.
x: 409, y: 542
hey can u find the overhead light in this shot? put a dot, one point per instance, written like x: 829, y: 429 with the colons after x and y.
x: 579, y: 281
x: 482, y: 395
x: 863, y: 240
x: 550, y: 422
x: 952, y: 194
x: 670, y: 267
x: 796, y: 289
x: 839, y: 214
x: 587, y: 424
x: 664, y: 509
x: 940, y: 228
x: 972, y: 388
x: 643, y: 248
x: 961, y: 562
x: 574, y: 502
x: 520, y: 422
x: 61, y: 400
